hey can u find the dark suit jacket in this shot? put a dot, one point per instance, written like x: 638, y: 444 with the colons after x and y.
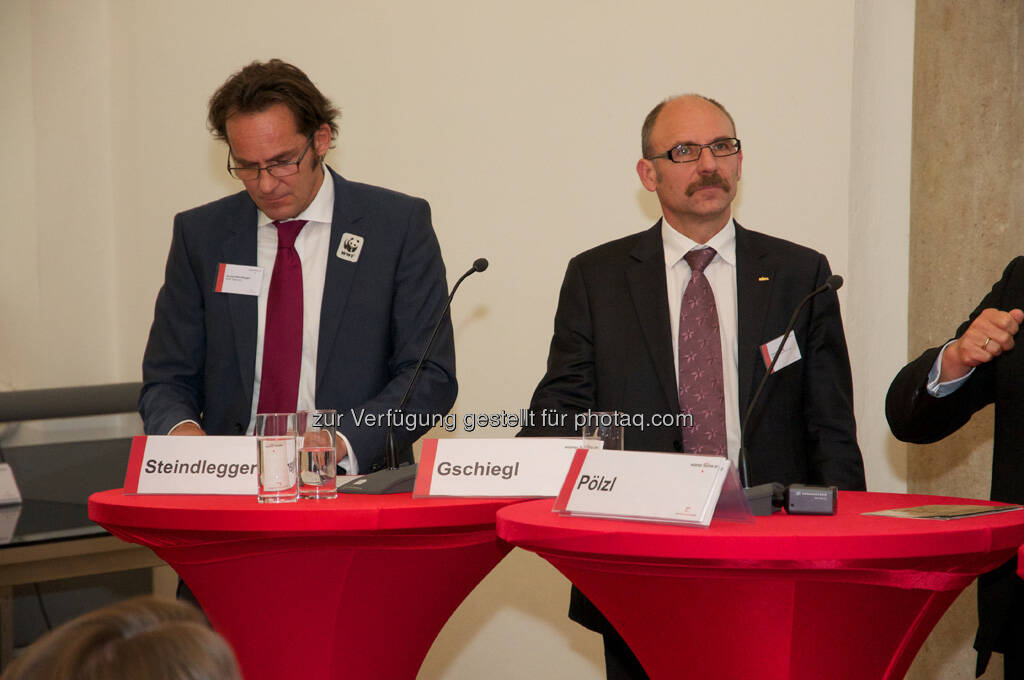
x: 915, y: 416
x: 612, y: 351
x: 376, y: 318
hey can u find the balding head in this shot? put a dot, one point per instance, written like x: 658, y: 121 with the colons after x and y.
x: 652, y: 118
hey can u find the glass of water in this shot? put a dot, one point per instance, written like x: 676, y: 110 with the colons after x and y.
x: 276, y: 459
x: 318, y: 453
x: 603, y: 430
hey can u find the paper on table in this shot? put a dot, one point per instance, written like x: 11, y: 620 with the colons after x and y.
x: 944, y: 511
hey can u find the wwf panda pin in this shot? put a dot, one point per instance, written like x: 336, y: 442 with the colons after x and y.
x: 350, y: 247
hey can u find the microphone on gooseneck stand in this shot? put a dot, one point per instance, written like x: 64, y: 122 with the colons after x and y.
x: 766, y: 498
x: 397, y: 478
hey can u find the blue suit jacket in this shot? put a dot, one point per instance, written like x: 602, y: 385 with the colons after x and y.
x: 375, y: 321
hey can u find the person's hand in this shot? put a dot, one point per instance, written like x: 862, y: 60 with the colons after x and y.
x: 989, y: 335
x: 187, y: 429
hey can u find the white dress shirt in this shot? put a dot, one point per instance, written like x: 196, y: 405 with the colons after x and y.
x: 721, y: 274
x: 313, y: 245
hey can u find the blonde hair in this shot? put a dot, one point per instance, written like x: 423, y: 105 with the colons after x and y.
x: 144, y: 637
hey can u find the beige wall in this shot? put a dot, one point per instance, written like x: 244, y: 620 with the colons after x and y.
x: 519, y: 122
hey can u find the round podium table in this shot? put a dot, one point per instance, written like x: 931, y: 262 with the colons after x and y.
x: 355, y: 587
x: 785, y: 597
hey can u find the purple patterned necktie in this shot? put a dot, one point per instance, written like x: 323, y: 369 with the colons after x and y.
x: 282, y: 335
x: 701, y: 392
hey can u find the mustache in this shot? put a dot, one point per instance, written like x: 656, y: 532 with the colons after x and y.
x: 712, y: 180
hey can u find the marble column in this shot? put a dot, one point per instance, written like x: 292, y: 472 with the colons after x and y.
x: 967, y: 222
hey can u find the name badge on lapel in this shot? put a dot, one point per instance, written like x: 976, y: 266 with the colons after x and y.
x: 790, y: 353
x: 350, y: 247
x: 239, y: 279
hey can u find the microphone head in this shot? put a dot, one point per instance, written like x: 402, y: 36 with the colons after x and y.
x: 481, y: 264
x: 834, y: 282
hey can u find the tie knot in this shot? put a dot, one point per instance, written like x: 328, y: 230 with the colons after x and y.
x: 699, y: 258
x: 287, y: 231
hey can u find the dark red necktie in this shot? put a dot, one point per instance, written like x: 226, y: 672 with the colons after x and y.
x: 701, y: 389
x: 282, y: 334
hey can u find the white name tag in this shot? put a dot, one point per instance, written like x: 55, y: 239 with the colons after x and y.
x: 790, y: 353
x: 494, y: 468
x: 186, y: 465
x: 239, y: 279
x: 640, y: 485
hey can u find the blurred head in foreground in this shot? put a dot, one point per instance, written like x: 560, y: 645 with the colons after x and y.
x: 144, y: 637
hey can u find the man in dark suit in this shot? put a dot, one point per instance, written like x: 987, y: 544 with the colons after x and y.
x: 303, y: 291
x: 934, y: 395
x: 630, y: 310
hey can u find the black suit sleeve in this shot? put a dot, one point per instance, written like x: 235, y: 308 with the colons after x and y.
x: 917, y: 417
x: 833, y: 455
x: 569, y: 384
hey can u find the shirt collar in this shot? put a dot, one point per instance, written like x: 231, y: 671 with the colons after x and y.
x: 676, y: 245
x: 321, y: 209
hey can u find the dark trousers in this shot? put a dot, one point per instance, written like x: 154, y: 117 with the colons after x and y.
x: 1001, y: 620
x: 619, y: 661
x: 184, y: 593
x: 1013, y: 665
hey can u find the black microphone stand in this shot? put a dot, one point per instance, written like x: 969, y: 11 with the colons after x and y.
x: 765, y: 498
x: 396, y: 478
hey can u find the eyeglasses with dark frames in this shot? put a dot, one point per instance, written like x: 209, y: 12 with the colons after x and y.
x: 690, y: 153
x: 247, y: 173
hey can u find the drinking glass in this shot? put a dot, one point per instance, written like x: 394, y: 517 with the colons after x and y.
x: 603, y: 429
x: 318, y: 453
x: 276, y: 460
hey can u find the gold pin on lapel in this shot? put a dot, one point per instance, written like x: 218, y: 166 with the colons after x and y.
x: 761, y: 279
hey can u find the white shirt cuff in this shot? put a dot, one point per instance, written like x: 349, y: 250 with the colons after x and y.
x: 349, y: 462
x: 937, y: 389
x: 177, y: 425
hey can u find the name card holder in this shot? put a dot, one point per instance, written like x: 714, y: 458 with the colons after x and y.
x: 652, y: 487
x: 526, y: 467
x: 192, y: 465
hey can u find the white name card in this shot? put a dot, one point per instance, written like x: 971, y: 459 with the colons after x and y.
x: 494, y: 468
x: 187, y: 465
x: 640, y: 485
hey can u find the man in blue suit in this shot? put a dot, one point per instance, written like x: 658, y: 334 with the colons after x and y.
x: 359, y: 285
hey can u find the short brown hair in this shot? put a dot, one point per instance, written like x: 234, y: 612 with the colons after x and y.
x: 260, y: 85
x: 652, y: 118
x: 144, y: 637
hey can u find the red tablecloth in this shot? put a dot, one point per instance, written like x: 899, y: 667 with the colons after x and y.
x: 356, y: 587
x: 785, y: 597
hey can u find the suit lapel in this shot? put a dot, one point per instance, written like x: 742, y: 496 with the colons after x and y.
x: 754, y: 278
x: 647, y: 287
x: 240, y: 248
x: 340, y: 274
